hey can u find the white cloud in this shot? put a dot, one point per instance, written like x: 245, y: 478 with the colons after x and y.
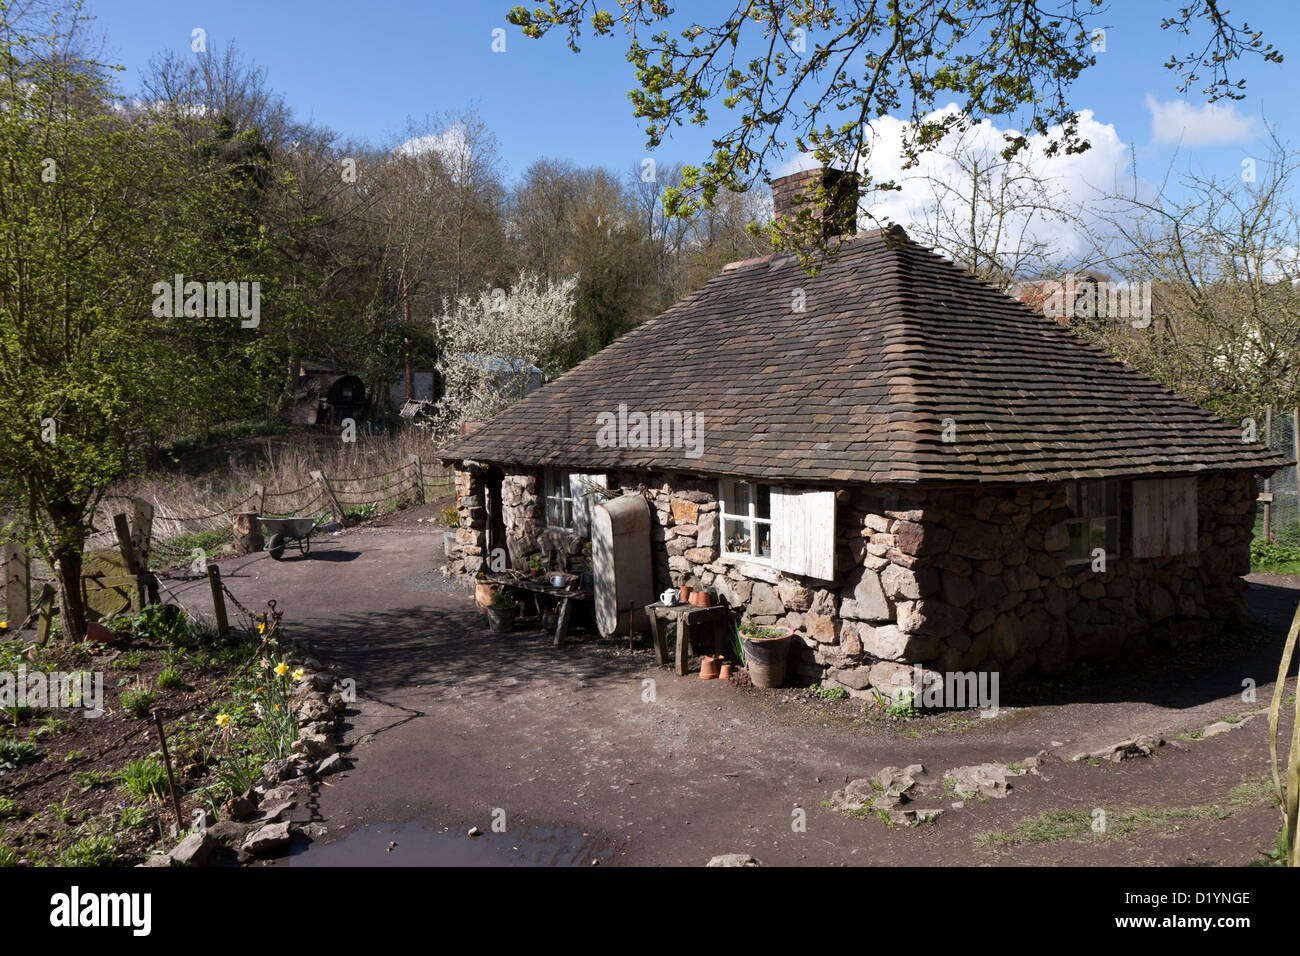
x: 1076, y: 184
x: 1210, y: 124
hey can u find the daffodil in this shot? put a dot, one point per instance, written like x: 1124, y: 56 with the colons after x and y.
x: 261, y: 629
x: 277, y: 707
x: 299, y: 674
x: 223, y: 720
x: 281, y: 669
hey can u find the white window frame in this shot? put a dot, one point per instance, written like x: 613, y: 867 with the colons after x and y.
x: 562, y: 485
x: 751, y: 519
x: 1079, y: 490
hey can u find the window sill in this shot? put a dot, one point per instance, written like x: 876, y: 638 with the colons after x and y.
x: 735, y: 557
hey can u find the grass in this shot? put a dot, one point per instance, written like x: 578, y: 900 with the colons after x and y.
x: 144, y: 780
x: 1053, y: 826
x: 1274, y: 558
x: 828, y: 693
x: 90, y: 851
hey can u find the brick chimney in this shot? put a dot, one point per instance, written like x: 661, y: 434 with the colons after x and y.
x: 841, y: 215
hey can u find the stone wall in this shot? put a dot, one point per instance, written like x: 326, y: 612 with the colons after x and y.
x: 956, y: 580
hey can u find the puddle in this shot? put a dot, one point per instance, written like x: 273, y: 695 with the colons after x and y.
x: 418, y: 844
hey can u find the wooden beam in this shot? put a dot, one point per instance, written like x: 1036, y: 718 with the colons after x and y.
x: 218, y: 601
x: 417, y: 478
x: 319, y: 478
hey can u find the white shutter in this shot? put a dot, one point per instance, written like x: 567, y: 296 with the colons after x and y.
x: 803, y: 532
x: 1164, y: 517
x: 584, y: 499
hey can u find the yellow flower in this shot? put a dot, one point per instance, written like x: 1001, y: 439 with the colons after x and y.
x: 277, y: 706
x: 261, y: 629
x: 223, y: 720
x: 260, y: 689
x: 281, y: 669
x: 299, y: 674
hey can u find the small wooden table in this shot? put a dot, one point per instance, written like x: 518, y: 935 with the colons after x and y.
x: 687, y: 616
x: 539, y: 586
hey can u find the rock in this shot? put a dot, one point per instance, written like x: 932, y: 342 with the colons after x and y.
x: 474, y: 831
x: 269, y: 839
x: 855, y: 795
x: 228, y: 831
x: 271, y: 812
x: 685, y: 512
x: 158, y: 859
x: 241, y: 807
x: 275, y: 795
x: 194, y: 850
x: 278, y: 771
x: 331, y: 764
x: 893, y: 780
x: 868, y: 601
x: 890, y: 643
x: 925, y: 816
x: 1220, y: 727
x: 314, y: 746
x: 1143, y: 745
x: 888, y: 803
x: 989, y: 779
x: 734, y: 859
x: 763, y: 600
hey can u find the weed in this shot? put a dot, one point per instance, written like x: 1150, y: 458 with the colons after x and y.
x: 171, y: 678
x: 130, y: 661
x: 90, y: 851
x: 139, y: 701
x: 828, y: 693
x: 144, y: 780
x: 15, y: 753
x: 10, y: 809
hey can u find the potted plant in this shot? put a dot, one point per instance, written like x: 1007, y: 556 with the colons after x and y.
x: 537, y: 565
x: 766, y: 650
x: 501, y: 613
x: 483, y: 591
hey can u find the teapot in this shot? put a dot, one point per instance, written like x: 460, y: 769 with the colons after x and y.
x: 669, y: 597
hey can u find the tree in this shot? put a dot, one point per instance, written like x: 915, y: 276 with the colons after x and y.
x: 1223, y: 255
x: 100, y: 205
x: 491, y: 343
x: 816, y: 74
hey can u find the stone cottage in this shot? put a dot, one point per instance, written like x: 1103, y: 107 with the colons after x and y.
x: 892, y: 458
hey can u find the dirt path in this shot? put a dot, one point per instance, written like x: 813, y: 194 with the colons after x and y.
x: 454, y: 724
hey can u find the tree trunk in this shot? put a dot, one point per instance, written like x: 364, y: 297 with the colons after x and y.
x: 72, y: 612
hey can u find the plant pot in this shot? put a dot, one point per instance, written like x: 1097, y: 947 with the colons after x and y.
x: 537, y: 572
x: 710, y: 667
x: 766, y: 657
x: 483, y: 593
x: 724, y: 672
x: 686, y: 593
x: 501, y: 620
x: 702, y: 599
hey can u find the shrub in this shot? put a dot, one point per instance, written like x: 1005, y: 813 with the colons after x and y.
x: 144, y: 779
x: 450, y: 516
x: 171, y: 677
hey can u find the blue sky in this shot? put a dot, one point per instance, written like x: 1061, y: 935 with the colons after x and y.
x: 363, y: 68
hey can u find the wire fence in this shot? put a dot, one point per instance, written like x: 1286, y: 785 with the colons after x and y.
x: 1277, y: 429
x: 177, y: 535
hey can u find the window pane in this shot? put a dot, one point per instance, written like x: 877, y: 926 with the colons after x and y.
x: 763, y: 502
x: 738, y: 498
x: 554, y: 512
x: 736, y: 536
x: 1098, y: 537
x: 1078, y: 543
x: 764, y: 535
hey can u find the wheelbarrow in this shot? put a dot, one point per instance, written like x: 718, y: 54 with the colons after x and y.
x: 276, y: 531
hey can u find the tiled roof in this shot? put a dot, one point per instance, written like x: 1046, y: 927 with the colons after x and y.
x: 894, y: 340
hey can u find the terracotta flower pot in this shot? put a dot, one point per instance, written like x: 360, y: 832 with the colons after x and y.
x: 483, y: 593
x: 724, y: 672
x: 710, y: 667
x: 686, y: 593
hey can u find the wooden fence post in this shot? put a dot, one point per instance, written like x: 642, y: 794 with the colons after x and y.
x: 218, y: 601
x: 45, y: 606
x: 417, y: 476
x: 319, y: 477
x: 259, y: 499
x: 18, y: 583
x: 142, y: 543
x: 123, y: 528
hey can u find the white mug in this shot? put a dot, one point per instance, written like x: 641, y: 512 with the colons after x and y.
x: 669, y: 597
